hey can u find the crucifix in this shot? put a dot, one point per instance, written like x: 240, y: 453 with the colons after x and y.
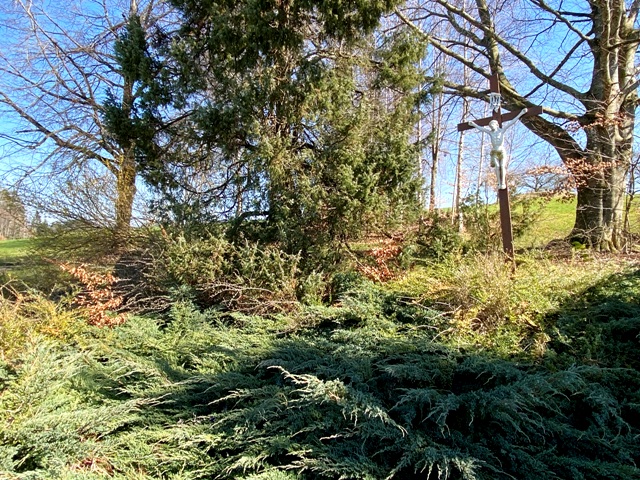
x: 495, y: 126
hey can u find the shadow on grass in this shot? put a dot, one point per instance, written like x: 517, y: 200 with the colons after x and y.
x: 599, y: 327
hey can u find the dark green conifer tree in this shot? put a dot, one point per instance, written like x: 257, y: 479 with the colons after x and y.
x: 126, y: 114
x: 297, y: 113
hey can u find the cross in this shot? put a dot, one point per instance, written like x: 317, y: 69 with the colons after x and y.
x: 497, y: 153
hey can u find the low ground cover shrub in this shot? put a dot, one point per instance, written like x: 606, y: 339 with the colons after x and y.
x: 246, y: 276
x: 363, y: 389
x: 28, y: 318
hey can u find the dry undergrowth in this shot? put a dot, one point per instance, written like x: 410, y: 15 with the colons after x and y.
x: 97, y: 296
x: 382, y: 258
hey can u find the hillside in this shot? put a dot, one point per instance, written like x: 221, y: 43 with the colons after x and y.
x: 554, y: 219
x: 554, y: 222
x: 233, y: 274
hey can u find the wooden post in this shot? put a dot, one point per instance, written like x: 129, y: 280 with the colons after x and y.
x: 503, y: 193
x: 505, y: 222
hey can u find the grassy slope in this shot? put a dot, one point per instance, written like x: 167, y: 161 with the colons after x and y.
x: 557, y: 219
x: 555, y: 222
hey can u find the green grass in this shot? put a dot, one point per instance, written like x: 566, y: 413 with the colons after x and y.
x: 12, y: 250
x: 24, y: 269
x: 555, y: 222
x: 557, y: 219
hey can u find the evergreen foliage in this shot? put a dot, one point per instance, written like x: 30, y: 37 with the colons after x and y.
x: 247, y: 277
x: 438, y: 236
x: 279, y: 130
x: 364, y: 389
x: 294, y: 113
x: 129, y: 118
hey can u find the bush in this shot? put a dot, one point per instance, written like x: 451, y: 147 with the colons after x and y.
x: 248, y: 277
x: 54, y: 418
x: 344, y: 282
x: 26, y: 318
x: 435, y: 240
x: 360, y: 391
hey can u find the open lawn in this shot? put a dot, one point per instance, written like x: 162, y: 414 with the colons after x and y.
x: 23, y: 268
x: 555, y: 222
x: 12, y: 250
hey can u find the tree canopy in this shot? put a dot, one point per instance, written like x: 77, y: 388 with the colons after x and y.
x: 297, y: 114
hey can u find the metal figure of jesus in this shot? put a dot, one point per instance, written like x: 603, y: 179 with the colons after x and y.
x: 495, y: 126
x: 498, y: 155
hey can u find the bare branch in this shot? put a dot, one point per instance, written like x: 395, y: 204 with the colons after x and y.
x: 55, y: 136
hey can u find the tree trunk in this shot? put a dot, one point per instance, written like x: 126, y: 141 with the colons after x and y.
x: 608, y: 124
x: 599, y: 213
x: 480, y: 164
x: 125, y: 193
x: 433, y: 176
x: 457, y: 188
x: 600, y: 204
x: 436, y: 119
x: 126, y: 172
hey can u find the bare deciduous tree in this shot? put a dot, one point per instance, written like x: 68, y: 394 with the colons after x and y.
x: 13, y: 218
x: 579, y: 61
x: 57, y: 65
